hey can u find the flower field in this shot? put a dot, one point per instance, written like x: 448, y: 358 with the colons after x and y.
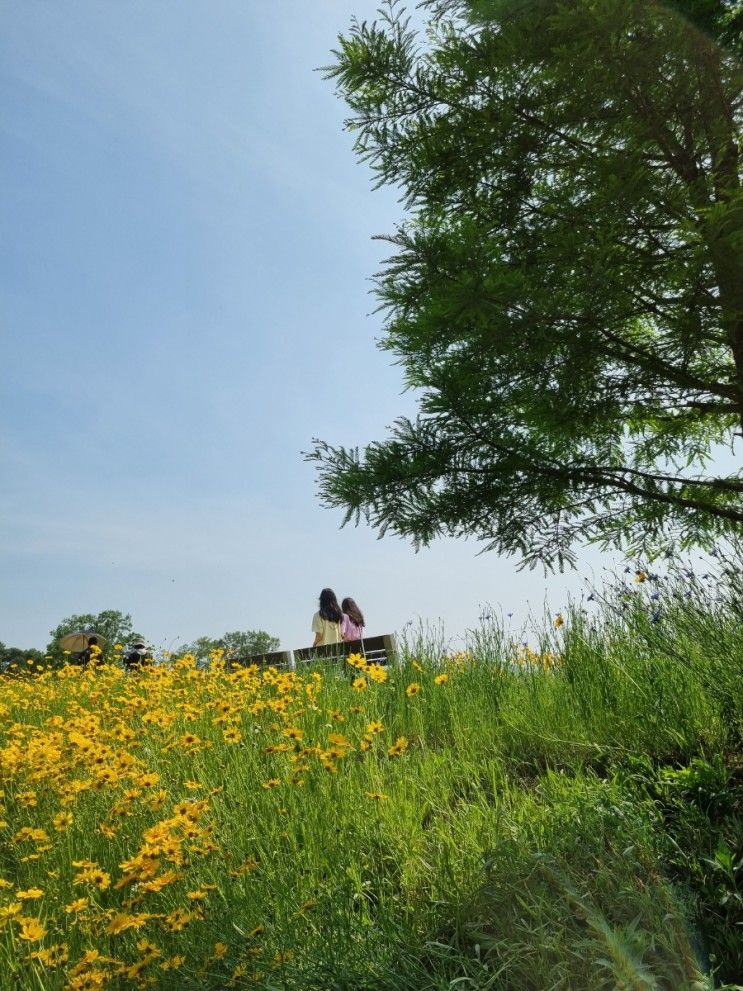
x: 465, y: 822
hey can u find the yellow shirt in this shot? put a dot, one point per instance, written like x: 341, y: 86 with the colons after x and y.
x: 331, y: 632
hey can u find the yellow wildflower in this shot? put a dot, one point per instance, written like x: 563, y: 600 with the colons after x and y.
x: 62, y: 821
x: 377, y: 673
x: 79, y: 905
x: 31, y: 929
x: 52, y: 956
x: 172, y: 963
x: 398, y: 747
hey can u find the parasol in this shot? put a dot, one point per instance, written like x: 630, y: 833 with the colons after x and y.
x: 78, y: 642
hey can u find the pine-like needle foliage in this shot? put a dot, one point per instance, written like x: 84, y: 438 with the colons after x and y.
x: 566, y: 293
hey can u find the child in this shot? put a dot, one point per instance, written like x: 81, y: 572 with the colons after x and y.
x: 352, y: 627
x: 326, y: 623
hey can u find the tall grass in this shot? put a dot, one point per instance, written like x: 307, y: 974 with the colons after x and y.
x: 500, y: 819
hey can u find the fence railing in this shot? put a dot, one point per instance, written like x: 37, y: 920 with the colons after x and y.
x: 380, y: 649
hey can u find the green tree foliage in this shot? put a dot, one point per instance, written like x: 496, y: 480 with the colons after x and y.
x: 566, y: 292
x: 18, y: 657
x: 112, y: 625
x: 235, y: 645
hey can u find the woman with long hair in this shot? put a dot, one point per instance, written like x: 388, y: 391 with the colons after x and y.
x: 326, y: 623
x: 352, y: 627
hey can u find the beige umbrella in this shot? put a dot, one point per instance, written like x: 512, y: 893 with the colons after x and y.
x: 76, y: 643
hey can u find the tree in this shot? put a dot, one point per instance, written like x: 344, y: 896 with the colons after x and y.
x: 566, y: 292
x: 112, y: 625
x: 252, y: 642
x: 235, y: 645
x: 17, y: 658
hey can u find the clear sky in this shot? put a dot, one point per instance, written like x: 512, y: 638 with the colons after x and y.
x: 186, y: 253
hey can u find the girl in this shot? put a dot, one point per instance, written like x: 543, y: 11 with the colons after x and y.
x: 352, y: 627
x: 326, y: 623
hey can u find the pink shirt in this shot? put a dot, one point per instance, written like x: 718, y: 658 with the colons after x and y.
x: 349, y: 630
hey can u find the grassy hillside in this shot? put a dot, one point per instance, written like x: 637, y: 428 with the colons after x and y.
x: 565, y: 816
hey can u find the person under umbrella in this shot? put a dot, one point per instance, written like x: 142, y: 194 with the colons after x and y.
x: 83, y: 646
x: 91, y: 653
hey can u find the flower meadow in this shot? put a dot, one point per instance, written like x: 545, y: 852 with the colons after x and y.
x: 500, y: 818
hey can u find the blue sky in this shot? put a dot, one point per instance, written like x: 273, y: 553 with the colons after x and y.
x: 186, y: 252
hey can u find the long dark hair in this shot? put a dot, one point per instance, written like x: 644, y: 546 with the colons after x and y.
x: 329, y: 608
x: 353, y: 612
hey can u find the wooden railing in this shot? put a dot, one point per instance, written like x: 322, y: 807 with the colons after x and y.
x: 377, y: 650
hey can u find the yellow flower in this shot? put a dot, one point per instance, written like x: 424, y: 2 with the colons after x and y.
x: 31, y: 929
x: 375, y: 726
x: 640, y: 577
x: 377, y: 673
x: 273, y: 783
x: 377, y: 795
x: 95, y: 876
x: 79, y: 905
x: 338, y: 740
x: 559, y: 621
x: 134, y: 970
x: 123, y: 921
x: 29, y: 894
x: 220, y: 949
x: 412, y: 689
x: 145, y: 946
x: 172, y: 963
x: 441, y: 679
x: 29, y: 833
x: 232, y: 735
x: 156, y: 884
x: 359, y: 684
x: 62, y: 821
x: 179, y: 919
x: 398, y: 747
x: 279, y: 959
x: 237, y: 973
x: 293, y: 733
x: 244, y: 868
x: 52, y: 956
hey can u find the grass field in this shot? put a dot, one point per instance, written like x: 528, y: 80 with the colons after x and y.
x: 564, y: 816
